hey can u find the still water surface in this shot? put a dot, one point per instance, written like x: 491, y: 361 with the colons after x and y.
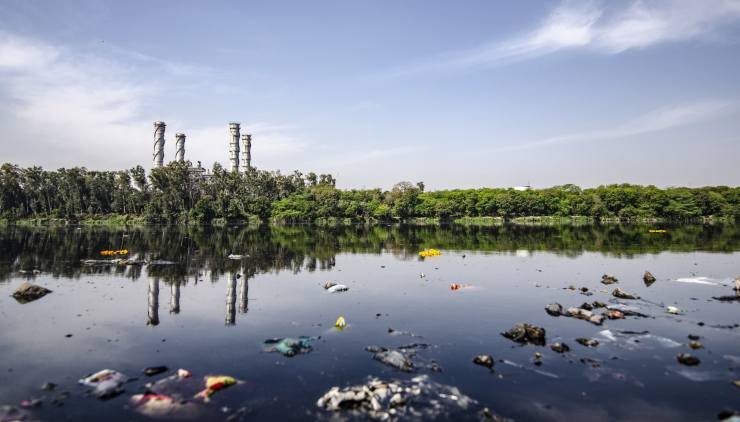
x: 211, y: 314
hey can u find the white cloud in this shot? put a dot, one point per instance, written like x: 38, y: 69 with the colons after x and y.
x: 661, y: 119
x: 591, y: 25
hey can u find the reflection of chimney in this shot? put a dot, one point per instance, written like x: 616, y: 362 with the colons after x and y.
x: 158, y: 143
x: 231, y: 299
x: 243, y: 293
x: 234, y: 146
x: 175, y: 298
x: 180, y: 147
x: 153, y: 302
x: 246, y: 152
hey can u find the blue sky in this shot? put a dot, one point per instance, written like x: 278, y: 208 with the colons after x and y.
x: 457, y: 94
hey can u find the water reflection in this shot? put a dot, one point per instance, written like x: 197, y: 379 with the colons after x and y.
x: 175, y: 298
x: 185, y: 253
x: 243, y: 295
x: 231, y: 299
x: 153, y: 302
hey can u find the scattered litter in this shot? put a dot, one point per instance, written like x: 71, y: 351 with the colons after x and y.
x: 341, y: 324
x: 180, y: 386
x: 235, y: 256
x: 560, y: 347
x: 163, y: 406
x: 698, y: 280
x: 673, y: 310
x: 10, y: 413
x: 608, y: 279
x: 154, y: 370
x: 623, y: 295
x: 290, y: 346
x: 484, y: 360
x: 614, y: 314
x: 28, y: 292
x: 687, y: 359
x: 430, y: 252
x: 106, y: 383
x: 526, y: 333
x: 418, y: 398
x: 657, y: 231
x: 114, y: 252
x: 458, y: 286
x: 648, y: 278
x: 214, y: 384
x: 588, y: 342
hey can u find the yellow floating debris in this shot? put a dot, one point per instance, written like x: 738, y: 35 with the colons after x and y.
x: 341, y: 323
x: 115, y: 252
x: 658, y: 231
x: 430, y: 252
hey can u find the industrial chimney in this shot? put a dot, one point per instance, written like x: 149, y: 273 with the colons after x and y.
x: 246, y: 152
x: 234, y: 146
x: 158, y: 143
x: 180, y: 147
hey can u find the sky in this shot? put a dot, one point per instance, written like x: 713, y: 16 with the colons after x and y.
x: 455, y: 94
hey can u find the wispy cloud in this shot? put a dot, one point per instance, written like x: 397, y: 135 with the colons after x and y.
x: 661, y: 119
x: 592, y: 25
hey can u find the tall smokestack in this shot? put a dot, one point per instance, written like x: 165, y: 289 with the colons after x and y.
x: 234, y: 146
x: 246, y: 152
x: 158, y: 143
x: 180, y: 147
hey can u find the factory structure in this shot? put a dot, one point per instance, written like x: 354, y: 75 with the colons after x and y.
x: 240, y: 148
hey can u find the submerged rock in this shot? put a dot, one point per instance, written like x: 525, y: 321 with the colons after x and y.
x: 554, y: 309
x: 588, y: 342
x: 395, y: 359
x: 585, y: 315
x: 560, y: 347
x: 28, y: 292
x: 648, y: 278
x: 484, y: 360
x: 526, y: 333
x: 608, y: 279
x: 417, y: 398
x: 154, y: 370
x: 623, y: 295
x: 687, y: 359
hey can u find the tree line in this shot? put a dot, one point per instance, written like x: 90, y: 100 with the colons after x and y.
x: 176, y: 193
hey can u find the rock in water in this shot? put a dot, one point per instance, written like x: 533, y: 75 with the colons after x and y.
x: 559, y: 347
x: 588, y: 342
x: 526, y: 333
x: 608, y: 279
x: 623, y: 295
x: 554, y: 309
x: 28, y: 292
x: 648, y: 278
x: 395, y: 359
x: 687, y: 359
x: 154, y: 370
x: 484, y: 360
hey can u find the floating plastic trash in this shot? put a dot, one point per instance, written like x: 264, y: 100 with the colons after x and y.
x: 430, y: 252
x: 165, y: 407
x: 341, y: 324
x: 290, y: 346
x: 214, y: 384
x: 235, y: 256
x: 114, y: 252
x: 106, y: 383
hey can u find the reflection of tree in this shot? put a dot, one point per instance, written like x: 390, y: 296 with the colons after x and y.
x: 175, y: 298
x: 231, y: 299
x: 243, y: 295
x: 59, y: 251
x: 153, y: 302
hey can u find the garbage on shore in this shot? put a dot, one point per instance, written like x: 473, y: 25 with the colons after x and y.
x: 418, y: 398
x: 290, y: 347
x: 106, y: 383
x: 430, y: 252
x: 526, y: 333
x: 28, y: 292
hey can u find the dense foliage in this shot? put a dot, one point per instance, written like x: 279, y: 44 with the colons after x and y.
x: 176, y: 193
